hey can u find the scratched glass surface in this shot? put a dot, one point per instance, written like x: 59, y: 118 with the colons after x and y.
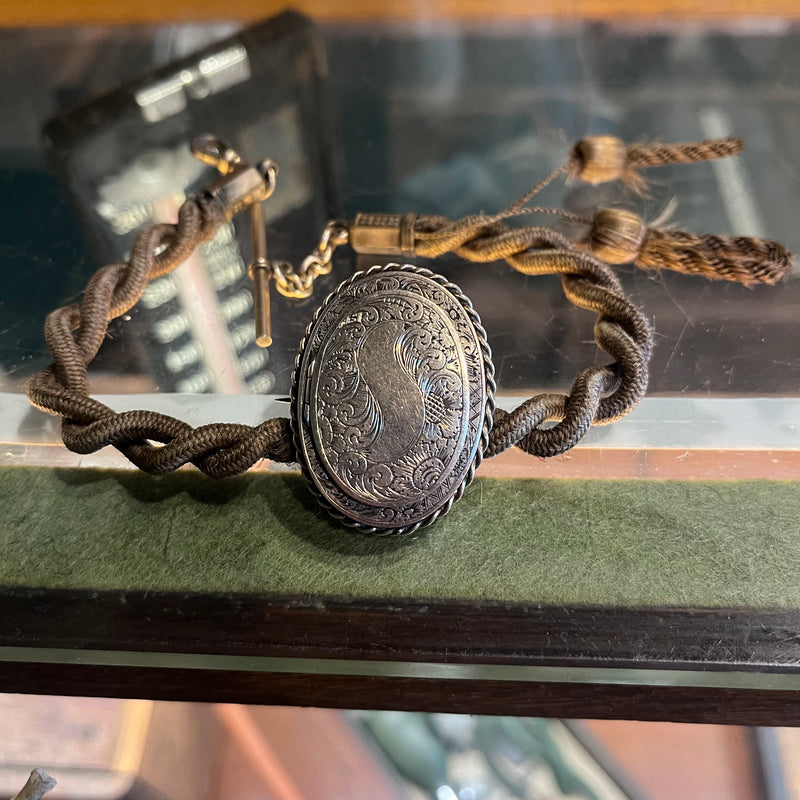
x: 446, y: 119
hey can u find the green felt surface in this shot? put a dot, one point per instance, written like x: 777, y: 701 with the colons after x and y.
x: 541, y: 541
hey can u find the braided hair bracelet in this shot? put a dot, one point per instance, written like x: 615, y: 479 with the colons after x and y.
x: 392, y: 406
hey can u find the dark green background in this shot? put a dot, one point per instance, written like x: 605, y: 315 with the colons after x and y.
x: 628, y: 543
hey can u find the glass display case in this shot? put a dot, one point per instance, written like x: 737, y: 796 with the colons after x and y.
x: 651, y: 572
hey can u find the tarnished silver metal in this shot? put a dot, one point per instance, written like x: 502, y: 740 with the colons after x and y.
x: 392, y: 398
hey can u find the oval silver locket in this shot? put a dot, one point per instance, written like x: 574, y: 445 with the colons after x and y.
x: 392, y: 398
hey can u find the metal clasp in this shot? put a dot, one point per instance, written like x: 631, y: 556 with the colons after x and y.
x: 241, y: 184
x: 260, y: 271
x: 384, y: 234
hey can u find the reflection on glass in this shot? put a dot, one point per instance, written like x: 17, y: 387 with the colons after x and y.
x: 126, y: 162
x: 448, y: 119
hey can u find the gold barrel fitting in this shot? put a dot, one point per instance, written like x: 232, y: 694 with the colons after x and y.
x: 383, y: 234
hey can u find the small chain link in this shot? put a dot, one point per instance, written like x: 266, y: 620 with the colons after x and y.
x: 300, y: 283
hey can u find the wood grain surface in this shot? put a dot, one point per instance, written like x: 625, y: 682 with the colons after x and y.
x: 158, y: 625
x: 561, y: 700
x: 67, y: 12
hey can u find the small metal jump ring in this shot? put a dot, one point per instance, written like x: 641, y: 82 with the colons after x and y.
x: 215, y: 152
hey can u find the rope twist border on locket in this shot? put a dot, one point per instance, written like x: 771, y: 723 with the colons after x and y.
x: 491, y: 387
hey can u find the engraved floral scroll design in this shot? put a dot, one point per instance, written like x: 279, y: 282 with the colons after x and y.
x: 392, y: 399
x: 440, y: 392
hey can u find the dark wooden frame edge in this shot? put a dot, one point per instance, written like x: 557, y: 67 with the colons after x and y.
x: 439, y: 632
